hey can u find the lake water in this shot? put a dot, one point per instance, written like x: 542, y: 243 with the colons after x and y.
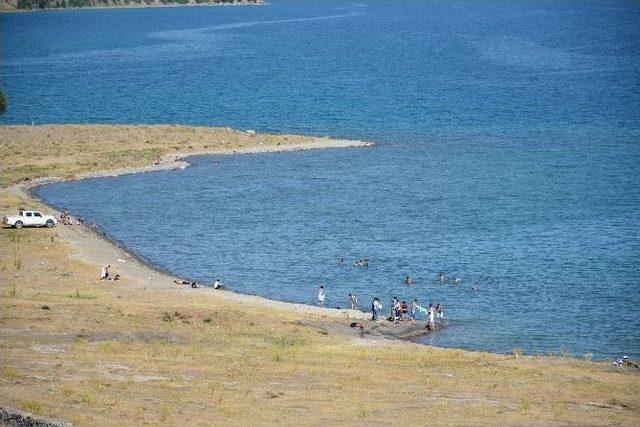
x: 508, y: 153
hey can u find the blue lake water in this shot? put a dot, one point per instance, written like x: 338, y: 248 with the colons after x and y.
x: 508, y: 153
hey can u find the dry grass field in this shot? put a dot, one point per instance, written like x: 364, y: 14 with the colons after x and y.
x: 94, y: 352
x: 65, y: 151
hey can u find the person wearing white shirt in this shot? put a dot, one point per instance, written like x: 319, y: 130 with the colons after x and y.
x: 321, y: 296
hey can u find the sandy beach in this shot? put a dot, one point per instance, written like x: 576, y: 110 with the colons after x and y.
x: 145, y: 350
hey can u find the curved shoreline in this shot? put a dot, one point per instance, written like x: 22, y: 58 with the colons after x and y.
x: 96, y: 248
x: 218, y: 356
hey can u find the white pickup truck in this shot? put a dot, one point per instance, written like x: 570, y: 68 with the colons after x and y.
x: 27, y: 218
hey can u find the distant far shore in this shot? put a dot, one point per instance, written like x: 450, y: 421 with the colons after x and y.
x: 7, y: 6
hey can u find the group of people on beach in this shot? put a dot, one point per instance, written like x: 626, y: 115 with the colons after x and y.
x: 67, y: 219
x: 401, y: 311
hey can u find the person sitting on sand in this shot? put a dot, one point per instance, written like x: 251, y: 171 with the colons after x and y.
x: 185, y: 282
x: 408, y: 281
x: 104, y: 274
x: 116, y: 277
x: 217, y: 284
x: 321, y: 296
x: 624, y: 360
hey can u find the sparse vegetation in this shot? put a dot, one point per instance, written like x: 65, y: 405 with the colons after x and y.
x: 32, y: 407
x: 79, y: 295
x: 124, y: 353
x: 30, y: 152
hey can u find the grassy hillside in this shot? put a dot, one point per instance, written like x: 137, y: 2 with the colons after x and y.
x: 137, y: 352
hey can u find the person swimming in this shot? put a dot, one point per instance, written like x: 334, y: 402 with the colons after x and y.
x: 364, y: 262
x: 408, y: 281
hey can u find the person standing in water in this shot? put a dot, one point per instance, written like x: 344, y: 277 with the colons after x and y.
x: 397, y: 310
x: 440, y: 312
x: 431, y: 311
x: 414, y: 309
x: 353, y: 301
x: 321, y: 296
x: 393, y: 307
x: 405, y: 310
x: 408, y: 281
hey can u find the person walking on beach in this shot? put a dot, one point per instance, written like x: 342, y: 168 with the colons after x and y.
x: 104, y: 274
x: 353, y: 301
x: 321, y: 296
x: 376, y: 306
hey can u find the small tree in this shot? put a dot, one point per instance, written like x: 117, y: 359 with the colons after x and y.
x: 3, y: 102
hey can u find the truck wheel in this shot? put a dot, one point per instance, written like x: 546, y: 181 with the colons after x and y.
x: 18, y: 224
x: 49, y: 223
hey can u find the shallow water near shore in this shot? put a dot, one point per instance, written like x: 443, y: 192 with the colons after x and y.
x: 508, y: 155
